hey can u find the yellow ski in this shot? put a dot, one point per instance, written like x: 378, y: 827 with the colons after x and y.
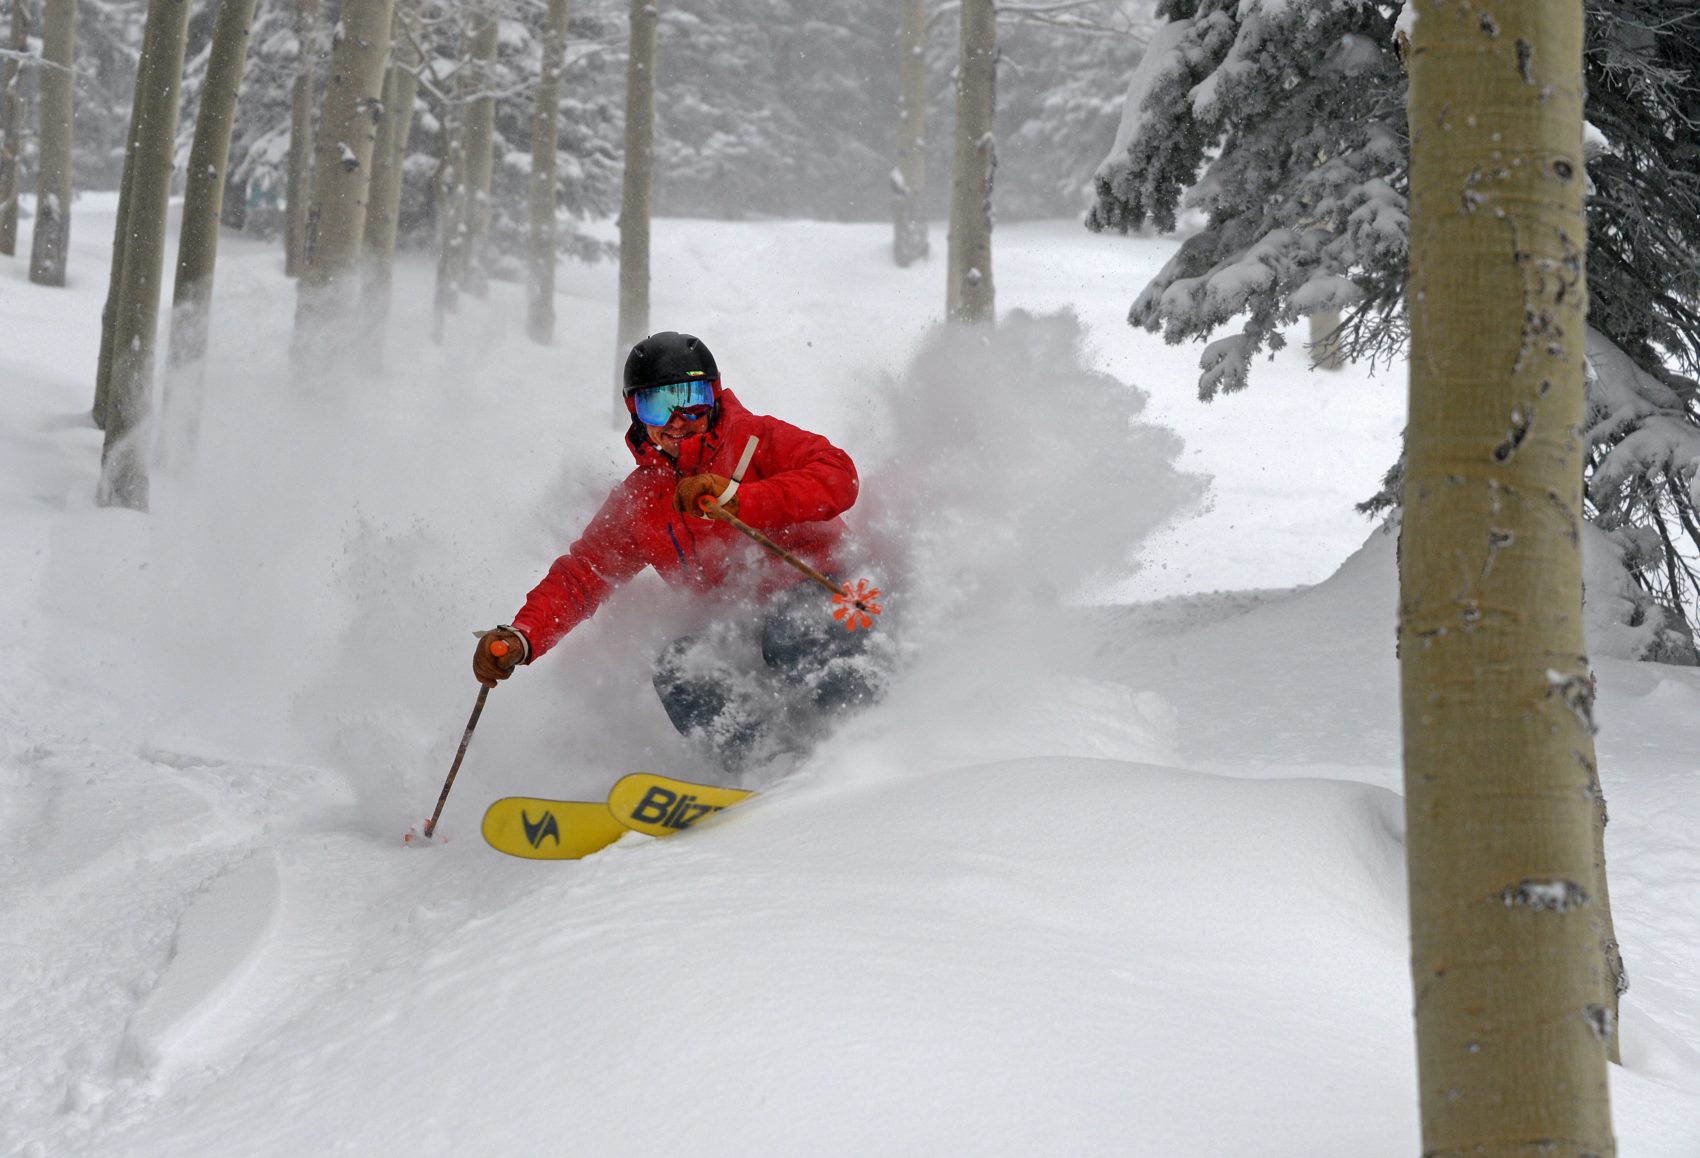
x: 535, y: 829
x: 661, y: 806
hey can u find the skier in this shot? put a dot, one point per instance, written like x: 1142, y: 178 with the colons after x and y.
x: 690, y: 436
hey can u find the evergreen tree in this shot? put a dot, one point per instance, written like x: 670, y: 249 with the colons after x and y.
x: 1284, y: 126
x: 1054, y: 111
x: 760, y: 109
x: 1303, y: 107
x: 1644, y: 283
x: 770, y: 107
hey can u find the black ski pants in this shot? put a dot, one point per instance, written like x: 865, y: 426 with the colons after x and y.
x: 749, y: 689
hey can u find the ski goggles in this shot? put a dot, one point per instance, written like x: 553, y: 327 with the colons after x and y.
x: 655, y: 405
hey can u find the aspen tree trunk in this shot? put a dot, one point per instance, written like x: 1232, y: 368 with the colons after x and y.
x: 11, y: 127
x: 233, y: 206
x: 383, y: 206
x: 477, y: 151
x: 124, y: 457
x: 299, y: 194
x: 545, y: 131
x: 451, y: 199
x: 53, y: 164
x: 1325, y: 341
x: 1514, y: 1003
x: 633, y: 324
x: 968, y: 292
x: 379, y: 235
x: 197, y: 238
x: 909, y: 181
x: 115, y: 278
x: 327, y: 322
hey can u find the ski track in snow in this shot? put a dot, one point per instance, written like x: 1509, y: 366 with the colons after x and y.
x: 1075, y: 899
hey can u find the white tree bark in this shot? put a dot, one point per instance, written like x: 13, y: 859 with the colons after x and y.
x: 141, y: 257
x: 52, y: 237
x: 383, y: 206
x: 1515, y: 1000
x: 545, y: 129
x: 115, y: 282
x: 1324, y: 343
x: 908, y: 202
x: 11, y: 125
x: 327, y: 325
x: 197, y: 240
x: 451, y: 192
x: 633, y: 324
x: 969, y: 296
x: 478, y: 157
x: 300, y: 178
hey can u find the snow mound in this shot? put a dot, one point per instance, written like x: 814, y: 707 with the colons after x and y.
x: 218, y: 941
x: 982, y: 960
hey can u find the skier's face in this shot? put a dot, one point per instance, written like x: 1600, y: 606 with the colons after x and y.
x: 678, y: 429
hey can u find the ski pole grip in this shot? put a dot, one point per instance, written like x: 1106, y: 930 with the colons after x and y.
x: 498, y: 647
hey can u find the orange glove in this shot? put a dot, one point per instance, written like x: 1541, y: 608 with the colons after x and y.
x: 500, y: 650
x: 691, y: 491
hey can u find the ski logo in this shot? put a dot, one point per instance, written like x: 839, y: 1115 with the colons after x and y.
x: 674, y: 810
x: 537, y: 829
x: 662, y: 806
x: 535, y: 832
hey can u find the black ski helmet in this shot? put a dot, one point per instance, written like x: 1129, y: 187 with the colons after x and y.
x: 669, y: 357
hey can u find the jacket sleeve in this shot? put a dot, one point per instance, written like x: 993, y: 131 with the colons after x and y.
x: 603, y: 558
x: 800, y: 477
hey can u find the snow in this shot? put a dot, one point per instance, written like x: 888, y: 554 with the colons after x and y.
x: 1162, y: 56
x: 1115, y: 869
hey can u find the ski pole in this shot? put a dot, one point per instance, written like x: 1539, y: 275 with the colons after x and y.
x: 855, y: 602
x: 498, y: 648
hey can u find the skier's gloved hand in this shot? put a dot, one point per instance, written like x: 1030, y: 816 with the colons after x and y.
x: 687, y: 497
x: 488, y: 665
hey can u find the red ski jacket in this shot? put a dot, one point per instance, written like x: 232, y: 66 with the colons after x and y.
x: 794, y: 490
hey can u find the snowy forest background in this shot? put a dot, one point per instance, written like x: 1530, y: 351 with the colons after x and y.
x: 1231, y: 176
x: 1284, y: 169
x: 728, y: 143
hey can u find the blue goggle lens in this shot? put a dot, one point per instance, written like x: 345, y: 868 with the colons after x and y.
x: 655, y: 404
